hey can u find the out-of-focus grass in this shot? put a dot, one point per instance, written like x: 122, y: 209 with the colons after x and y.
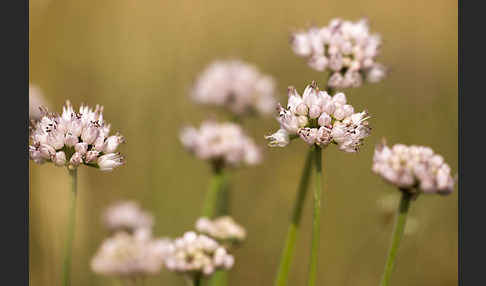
x: 138, y: 58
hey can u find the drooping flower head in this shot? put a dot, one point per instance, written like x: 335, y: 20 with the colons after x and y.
x: 197, y: 254
x: 221, y: 143
x: 346, y: 49
x: 131, y: 255
x: 321, y: 119
x: 75, y: 138
x: 36, y: 101
x: 238, y: 86
x: 128, y: 216
x: 413, y: 168
x: 224, y: 229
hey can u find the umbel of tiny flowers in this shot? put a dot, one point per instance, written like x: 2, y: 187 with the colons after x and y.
x: 127, y: 216
x: 131, y: 256
x: 319, y: 119
x: 414, y: 170
x: 344, y: 48
x: 197, y: 256
x: 223, y: 229
x: 72, y: 139
x: 237, y: 86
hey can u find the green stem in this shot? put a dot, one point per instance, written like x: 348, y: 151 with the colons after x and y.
x: 287, y: 253
x: 197, y: 281
x: 213, y: 194
x: 316, y: 219
x: 66, y: 272
x: 397, y: 237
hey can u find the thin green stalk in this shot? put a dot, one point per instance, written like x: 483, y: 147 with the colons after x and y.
x: 66, y: 272
x: 287, y: 253
x: 213, y: 194
x: 316, y: 219
x: 197, y: 281
x: 397, y: 237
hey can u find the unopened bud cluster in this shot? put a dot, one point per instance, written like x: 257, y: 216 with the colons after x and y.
x: 75, y: 138
x: 319, y: 118
x: 127, y: 215
x: 413, y: 168
x: 237, y: 86
x: 131, y: 255
x: 197, y: 254
x: 347, y: 49
x: 222, y: 143
x: 223, y: 229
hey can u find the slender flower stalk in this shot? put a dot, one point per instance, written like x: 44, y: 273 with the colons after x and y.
x: 316, y: 219
x: 197, y: 281
x: 66, y: 273
x: 213, y: 196
x: 397, y: 237
x: 287, y: 253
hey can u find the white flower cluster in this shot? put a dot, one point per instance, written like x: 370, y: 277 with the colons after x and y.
x: 345, y: 48
x: 320, y: 119
x: 75, y: 138
x: 236, y: 85
x: 222, y: 228
x: 223, y: 143
x: 131, y: 255
x: 196, y: 254
x: 36, y: 101
x: 127, y: 215
x: 410, y: 167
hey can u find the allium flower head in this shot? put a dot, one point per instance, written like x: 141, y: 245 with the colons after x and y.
x: 36, y: 101
x: 131, y: 255
x: 319, y: 118
x: 223, y: 229
x: 75, y: 138
x: 347, y: 49
x: 237, y: 86
x: 128, y: 216
x: 221, y: 143
x: 194, y: 254
x: 413, y: 168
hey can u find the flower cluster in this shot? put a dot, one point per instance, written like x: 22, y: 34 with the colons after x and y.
x: 413, y: 168
x: 221, y: 143
x: 196, y: 254
x: 36, y: 101
x: 237, y: 86
x: 345, y: 48
x: 317, y: 118
x: 222, y: 229
x: 75, y: 138
x: 131, y: 255
x: 127, y: 215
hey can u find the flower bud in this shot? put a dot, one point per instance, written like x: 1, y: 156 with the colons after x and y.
x: 81, y: 148
x: 76, y: 159
x: 90, y: 134
x: 60, y: 158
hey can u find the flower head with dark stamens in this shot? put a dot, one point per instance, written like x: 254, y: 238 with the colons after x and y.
x: 127, y: 215
x: 237, y: 86
x: 347, y: 49
x: 413, y: 168
x: 221, y: 143
x: 319, y: 118
x: 75, y: 138
x: 223, y: 229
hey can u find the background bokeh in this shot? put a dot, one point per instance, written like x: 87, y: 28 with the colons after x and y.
x: 138, y: 59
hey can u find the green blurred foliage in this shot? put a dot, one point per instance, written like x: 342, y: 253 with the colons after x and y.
x: 138, y: 59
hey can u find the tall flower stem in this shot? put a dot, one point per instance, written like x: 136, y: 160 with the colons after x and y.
x: 213, y: 195
x: 66, y: 272
x: 287, y: 253
x: 197, y: 281
x: 316, y: 219
x: 397, y: 237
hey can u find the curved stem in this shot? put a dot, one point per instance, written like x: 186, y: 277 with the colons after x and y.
x: 213, y: 194
x: 316, y: 219
x: 66, y: 272
x: 397, y: 237
x: 287, y: 253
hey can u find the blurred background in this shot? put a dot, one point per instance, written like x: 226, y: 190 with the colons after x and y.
x: 139, y: 58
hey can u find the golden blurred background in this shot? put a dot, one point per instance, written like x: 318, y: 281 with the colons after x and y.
x: 139, y: 58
